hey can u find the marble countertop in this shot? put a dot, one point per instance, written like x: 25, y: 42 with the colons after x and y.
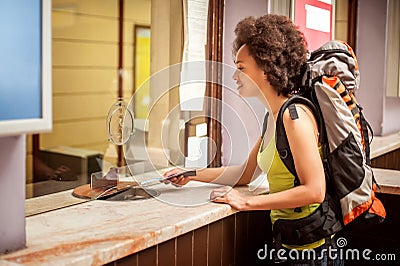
x: 51, y: 202
x: 381, y: 145
x: 97, y: 232
x: 388, y: 180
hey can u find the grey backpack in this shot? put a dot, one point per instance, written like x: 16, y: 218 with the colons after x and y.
x: 331, y: 76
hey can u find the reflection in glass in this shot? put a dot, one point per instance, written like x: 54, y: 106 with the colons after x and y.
x: 120, y: 123
x: 86, y: 52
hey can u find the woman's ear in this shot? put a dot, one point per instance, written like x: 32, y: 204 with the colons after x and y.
x: 265, y: 75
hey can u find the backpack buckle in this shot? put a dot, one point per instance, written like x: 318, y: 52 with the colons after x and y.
x: 283, y: 154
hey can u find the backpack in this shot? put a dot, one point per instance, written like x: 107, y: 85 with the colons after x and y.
x: 330, y: 78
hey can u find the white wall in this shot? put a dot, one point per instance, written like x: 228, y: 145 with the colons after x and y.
x: 381, y: 111
x: 12, y: 193
x: 241, y: 125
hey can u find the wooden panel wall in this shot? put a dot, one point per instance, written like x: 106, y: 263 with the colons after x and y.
x: 390, y: 160
x: 234, y: 240
x: 341, y: 20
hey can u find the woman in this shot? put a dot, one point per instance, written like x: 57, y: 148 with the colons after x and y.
x: 271, y: 52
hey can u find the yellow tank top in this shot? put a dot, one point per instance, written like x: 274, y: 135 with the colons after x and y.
x: 279, y: 179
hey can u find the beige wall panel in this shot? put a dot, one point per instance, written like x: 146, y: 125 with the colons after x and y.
x: 138, y: 10
x: 29, y: 168
x: 28, y: 143
x: 78, y: 27
x: 341, y: 31
x: 342, y: 9
x: 128, y: 92
x: 93, y: 7
x: 128, y: 32
x: 85, y: 54
x: 85, y: 81
x: 128, y: 56
x: 70, y: 107
x: 75, y: 134
x: 127, y: 86
x: 166, y: 33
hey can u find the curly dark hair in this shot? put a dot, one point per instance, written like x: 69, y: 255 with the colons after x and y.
x: 277, y: 46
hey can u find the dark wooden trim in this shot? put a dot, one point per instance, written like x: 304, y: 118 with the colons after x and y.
x: 120, y: 159
x: 214, y: 91
x: 120, y: 48
x: 352, y: 23
x: 35, y: 156
x: 186, y: 137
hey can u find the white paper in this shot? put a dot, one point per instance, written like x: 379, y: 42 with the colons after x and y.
x: 329, y: 2
x: 201, y: 130
x: 192, y: 96
x: 195, y: 40
x: 197, y: 152
x: 318, y: 18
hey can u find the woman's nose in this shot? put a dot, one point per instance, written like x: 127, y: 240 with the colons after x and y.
x: 236, y: 75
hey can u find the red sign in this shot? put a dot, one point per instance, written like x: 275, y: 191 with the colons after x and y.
x: 314, y: 19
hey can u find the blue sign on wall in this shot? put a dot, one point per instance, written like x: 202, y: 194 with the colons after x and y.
x: 20, y: 59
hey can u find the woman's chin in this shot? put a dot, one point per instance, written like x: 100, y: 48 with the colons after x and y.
x: 241, y: 92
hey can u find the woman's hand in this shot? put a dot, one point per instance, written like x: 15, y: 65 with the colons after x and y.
x: 179, y: 180
x: 231, y: 196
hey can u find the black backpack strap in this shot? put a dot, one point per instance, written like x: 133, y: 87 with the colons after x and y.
x: 265, y: 124
x: 366, y: 128
x: 322, y: 223
x: 282, y: 143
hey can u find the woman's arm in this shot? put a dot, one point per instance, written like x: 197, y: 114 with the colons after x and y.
x: 303, y: 141
x: 229, y: 175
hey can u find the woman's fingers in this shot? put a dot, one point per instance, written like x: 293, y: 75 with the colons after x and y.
x: 229, y: 196
x: 177, y: 180
x: 218, y: 194
x: 172, y: 172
